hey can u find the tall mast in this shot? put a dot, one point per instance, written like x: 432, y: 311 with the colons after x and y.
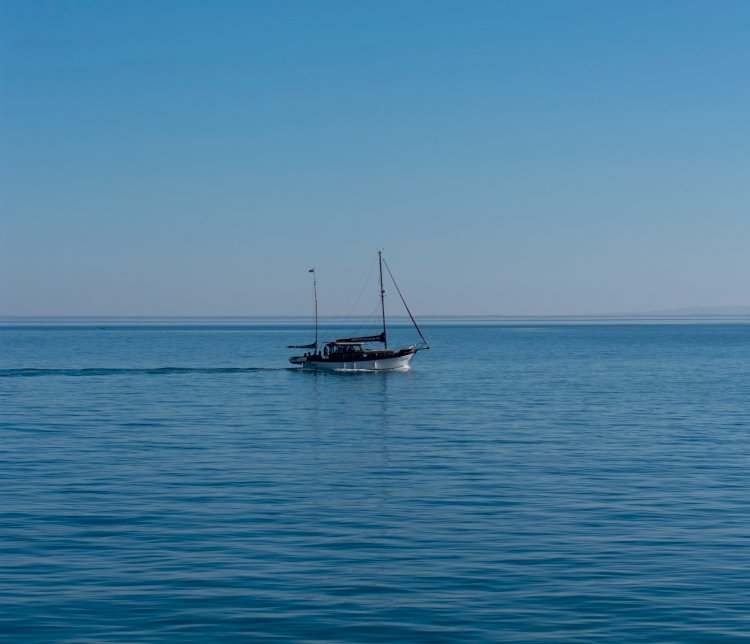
x: 382, y: 298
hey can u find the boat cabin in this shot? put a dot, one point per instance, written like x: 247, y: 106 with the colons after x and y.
x: 336, y: 349
x: 347, y: 351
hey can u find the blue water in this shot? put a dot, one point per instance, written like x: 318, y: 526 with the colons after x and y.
x: 527, y: 482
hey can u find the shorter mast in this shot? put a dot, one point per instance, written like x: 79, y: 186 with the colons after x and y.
x: 315, y: 298
x: 382, y: 298
x: 313, y: 345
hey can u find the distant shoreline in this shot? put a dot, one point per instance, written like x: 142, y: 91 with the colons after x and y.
x: 290, y: 320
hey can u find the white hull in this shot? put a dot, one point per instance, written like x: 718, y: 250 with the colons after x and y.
x: 381, y: 364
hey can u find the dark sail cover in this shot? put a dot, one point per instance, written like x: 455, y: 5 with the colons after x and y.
x: 301, y: 346
x: 365, y: 338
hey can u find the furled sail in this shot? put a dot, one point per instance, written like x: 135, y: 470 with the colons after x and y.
x: 365, y: 338
x: 314, y: 345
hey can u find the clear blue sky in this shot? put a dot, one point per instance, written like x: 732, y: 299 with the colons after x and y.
x: 518, y: 157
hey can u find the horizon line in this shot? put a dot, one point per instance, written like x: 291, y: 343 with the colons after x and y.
x: 339, y: 318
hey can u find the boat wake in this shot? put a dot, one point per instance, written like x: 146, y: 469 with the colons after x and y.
x: 154, y: 371
x: 343, y: 370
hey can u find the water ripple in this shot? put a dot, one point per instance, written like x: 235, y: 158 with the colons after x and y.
x: 581, y: 484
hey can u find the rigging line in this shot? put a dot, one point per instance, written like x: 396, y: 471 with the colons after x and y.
x: 356, y: 287
x: 368, y: 322
x: 361, y: 291
x: 406, y: 306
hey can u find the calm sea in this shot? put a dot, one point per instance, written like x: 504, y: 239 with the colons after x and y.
x: 523, y: 482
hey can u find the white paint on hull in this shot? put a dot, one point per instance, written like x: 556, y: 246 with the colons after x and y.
x: 382, y: 364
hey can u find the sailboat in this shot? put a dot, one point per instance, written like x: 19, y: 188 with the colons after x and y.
x: 352, y: 354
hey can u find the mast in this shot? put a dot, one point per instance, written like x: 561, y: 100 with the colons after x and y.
x: 315, y: 298
x: 382, y: 298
